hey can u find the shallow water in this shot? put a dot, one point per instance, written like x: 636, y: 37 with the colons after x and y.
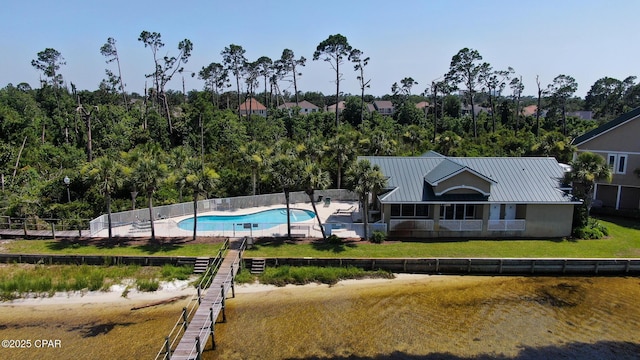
x: 439, y: 317
x: 471, y: 317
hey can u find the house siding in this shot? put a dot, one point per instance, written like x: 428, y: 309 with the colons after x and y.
x: 467, y: 179
x: 548, y: 220
x: 541, y: 221
x: 620, y: 141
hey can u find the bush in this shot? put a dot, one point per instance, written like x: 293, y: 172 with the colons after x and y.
x: 378, y: 237
x: 334, y: 240
x: 147, y: 285
x: 592, y: 230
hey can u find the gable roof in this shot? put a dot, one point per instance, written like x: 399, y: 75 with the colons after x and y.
x: 304, y: 104
x: 513, y: 180
x: 383, y: 104
x: 629, y: 116
x: 448, y: 168
x: 332, y: 107
x: 255, y: 105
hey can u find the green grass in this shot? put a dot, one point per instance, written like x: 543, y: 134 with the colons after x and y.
x: 17, y: 280
x: 63, y: 248
x: 623, y: 242
x: 299, y: 275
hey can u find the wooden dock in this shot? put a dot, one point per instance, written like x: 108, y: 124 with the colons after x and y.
x: 201, y: 326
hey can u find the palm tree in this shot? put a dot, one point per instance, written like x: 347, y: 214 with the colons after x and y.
x: 107, y: 174
x: 342, y: 151
x: 585, y: 171
x: 285, y: 170
x: 177, y: 158
x: 148, y: 173
x: 253, y: 155
x: 313, y: 177
x: 200, y: 179
x: 366, y: 179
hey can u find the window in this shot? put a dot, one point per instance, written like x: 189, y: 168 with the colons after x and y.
x: 457, y: 211
x: 622, y: 164
x: 408, y: 210
x: 617, y: 163
x: 422, y: 210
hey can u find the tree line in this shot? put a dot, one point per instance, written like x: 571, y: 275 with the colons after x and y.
x: 165, y: 146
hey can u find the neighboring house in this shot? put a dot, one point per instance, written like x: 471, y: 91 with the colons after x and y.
x: 433, y: 196
x: 466, y: 110
x: 305, y: 107
x: 332, y: 108
x: 582, y: 114
x: 618, y: 141
x: 384, y: 107
x: 255, y: 106
x: 423, y: 105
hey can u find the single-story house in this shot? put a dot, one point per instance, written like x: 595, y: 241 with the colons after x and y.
x: 618, y: 142
x: 434, y: 196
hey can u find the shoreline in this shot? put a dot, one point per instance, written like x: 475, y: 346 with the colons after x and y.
x: 181, y: 289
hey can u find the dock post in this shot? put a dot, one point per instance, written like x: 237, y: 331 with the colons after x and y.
x: 199, y: 295
x: 533, y: 266
x: 198, y: 352
x: 213, y: 322
x: 167, y: 348
x: 184, y: 318
x: 233, y: 288
x: 501, y: 264
x: 224, y: 314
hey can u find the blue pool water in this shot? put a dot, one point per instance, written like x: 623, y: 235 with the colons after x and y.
x: 259, y: 221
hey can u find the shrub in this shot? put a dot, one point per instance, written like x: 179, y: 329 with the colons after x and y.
x: 334, y: 240
x: 592, y: 230
x: 147, y: 285
x: 378, y: 237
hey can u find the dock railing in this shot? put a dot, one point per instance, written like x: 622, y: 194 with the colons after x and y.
x: 175, y: 334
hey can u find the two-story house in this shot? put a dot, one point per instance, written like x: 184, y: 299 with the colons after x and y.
x: 254, y: 106
x: 618, y: 141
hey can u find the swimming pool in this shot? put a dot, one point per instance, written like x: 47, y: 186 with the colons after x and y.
x: 256, y: 221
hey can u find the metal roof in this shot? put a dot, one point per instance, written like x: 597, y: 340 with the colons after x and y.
x: 516, y: 179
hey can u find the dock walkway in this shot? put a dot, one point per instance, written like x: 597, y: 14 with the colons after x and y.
x: 211, y: 305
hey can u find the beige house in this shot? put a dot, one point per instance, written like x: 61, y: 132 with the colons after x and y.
x: 433, y: 196
x: 618, y: 141
x: 305, y: 107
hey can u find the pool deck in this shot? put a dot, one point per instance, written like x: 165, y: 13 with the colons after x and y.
x: 335, y: 212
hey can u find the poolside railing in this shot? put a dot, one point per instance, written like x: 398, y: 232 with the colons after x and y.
x: 221, y: 204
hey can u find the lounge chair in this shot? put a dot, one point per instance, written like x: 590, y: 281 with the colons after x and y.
x: 345, y: 211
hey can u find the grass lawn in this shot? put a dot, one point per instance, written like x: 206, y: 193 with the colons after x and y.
x: 59, y: 247
x: 623, y: 242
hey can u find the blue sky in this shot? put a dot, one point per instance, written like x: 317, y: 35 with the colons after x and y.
x: 584, y: 39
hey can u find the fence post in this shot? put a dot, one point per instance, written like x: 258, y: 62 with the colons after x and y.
x: 198, y: 356
x: 213, y: 339
x: 233, y: 288
x: 224, y: 314
x: 184, y: 318
x: 167, y: 348
x: 199, y: 295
